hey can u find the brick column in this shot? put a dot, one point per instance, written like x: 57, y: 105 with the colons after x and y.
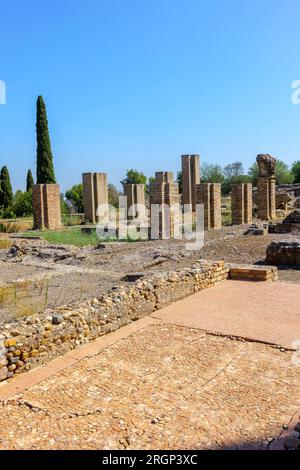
x: 95, y: 193
x: 209, y: 194
x: 46, y: 206
x: 241, y: 203
x: 248, y: 203
x: 135, y: 194
x: 190, y: 179
x: 164, y: 193
x: 266, y: 198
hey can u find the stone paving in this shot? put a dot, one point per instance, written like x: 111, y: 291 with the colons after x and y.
x: 162, y: 387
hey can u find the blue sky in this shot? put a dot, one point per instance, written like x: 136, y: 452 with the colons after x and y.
x: 137, y: 83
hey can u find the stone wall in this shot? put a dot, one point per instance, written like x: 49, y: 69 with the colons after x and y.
x: 283, y: 254
x: 95, y: 194
x: 46, y: 206
x: 241, y: 203
x: 190, y: 179
x: 35, y: 340
x: 31, y: 341
x: 209, y: 194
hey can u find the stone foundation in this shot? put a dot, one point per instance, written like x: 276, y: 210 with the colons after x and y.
x: 209, y: 194
x: 35, y: 340
x: 46, y: 206
x: 283, y: 254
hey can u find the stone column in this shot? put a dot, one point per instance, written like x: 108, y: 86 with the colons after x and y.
x: 164, y: 193
x: 46, y: 206
x: 266, y: 197
x: 248, y: 203
x: 241, y: 203
x: 209, y: 194
x: 135, y: 194
x: 190, y: 179
x: 95, y: 194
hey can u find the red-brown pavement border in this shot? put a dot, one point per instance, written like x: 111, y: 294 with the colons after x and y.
x: 21, y: 382
x: 266, y: 312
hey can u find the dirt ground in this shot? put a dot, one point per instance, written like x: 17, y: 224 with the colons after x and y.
x: 74, y: 274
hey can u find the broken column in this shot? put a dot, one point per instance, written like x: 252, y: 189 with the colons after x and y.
x: 266, y: 196
x: 190, y: 179
x: 95, y: 197
x: 164, y: 204
x: 46, y: 206
x: 135, y: 194
x: 241, y: 203
x: 209, y: 194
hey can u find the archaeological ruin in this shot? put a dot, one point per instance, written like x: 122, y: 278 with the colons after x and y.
x: 209, y: 195
x: 135, y: 203
x: 241, y: 203
x: 190, y: 179
x: 266, y: 195
x: 164, y: 205
x: 95, y: 195
x: 46, y: 206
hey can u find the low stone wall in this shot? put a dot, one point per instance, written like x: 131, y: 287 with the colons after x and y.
x: 34, y: 340
x: 283, y: 254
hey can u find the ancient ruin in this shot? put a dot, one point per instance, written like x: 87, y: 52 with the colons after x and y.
x: 284, y: 253
x: 241, y: 203
x: 46, y: 206
x: 209, y: 194
x: 164, y: 205
x: 266, y: 198
x: 135, y: 208
x: 95, y: 196
x: 190, y: 179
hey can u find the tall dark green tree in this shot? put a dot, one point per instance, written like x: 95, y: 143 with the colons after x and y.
x: 29, y: 181
x: 44, y: 168
x: 6, y: 194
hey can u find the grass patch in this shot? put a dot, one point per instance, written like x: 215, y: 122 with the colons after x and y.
x: 73, y: 237
x: 67, y: 237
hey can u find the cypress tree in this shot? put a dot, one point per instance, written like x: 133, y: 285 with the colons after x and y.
x: 6, y: 194
x: 29, y: 181
x: 45, y: 168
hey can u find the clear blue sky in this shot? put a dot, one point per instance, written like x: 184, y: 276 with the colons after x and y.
x: 136, y: 83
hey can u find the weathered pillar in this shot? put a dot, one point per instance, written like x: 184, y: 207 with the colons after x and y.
x: 241, y: 203
x: 209, y: 194
x: 190, y: 179
x: 135, y: 194
x: 164, y: 196
x: 46, y: 206
x: 266, y: 196
x: 95, y: 196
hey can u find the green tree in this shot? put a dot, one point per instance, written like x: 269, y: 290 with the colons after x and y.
x: 212, y: 173
x: 296, y: 171
x: 233, y: 169
x: 6, y: 194
x: 226, y: 185
x: 113, y: 195
x: 22, y: 205
x: 253, y: 173
x: 179, y: 180
x: 75, y: 196
x: 45, y: 168
x: 29, y: 181
x: 134, y: 177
